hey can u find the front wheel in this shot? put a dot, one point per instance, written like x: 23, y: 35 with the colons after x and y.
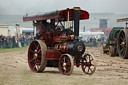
x: 66, y: 64
x: 105, y: 49
x: 88, y: 64
x: 111, y: 51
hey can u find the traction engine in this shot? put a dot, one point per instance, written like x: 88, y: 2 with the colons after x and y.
x: 62, y: 48
x: 117, y: 43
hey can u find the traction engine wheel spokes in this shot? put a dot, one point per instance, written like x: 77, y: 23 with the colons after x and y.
x: 88, y: 64
x: 111, y: 51
x: 123, y: 44
x: 36, y: 56
x: 66, y: 64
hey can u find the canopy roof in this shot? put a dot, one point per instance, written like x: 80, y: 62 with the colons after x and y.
x: 123, y: 19
x: 61, y: 14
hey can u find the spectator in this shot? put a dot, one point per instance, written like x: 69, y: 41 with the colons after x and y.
x: 1, y: 47
x: 13, y: 42
x: 22, y: 41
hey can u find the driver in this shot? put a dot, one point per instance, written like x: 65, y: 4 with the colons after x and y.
x: 51, y: 26
x: 40, y: 28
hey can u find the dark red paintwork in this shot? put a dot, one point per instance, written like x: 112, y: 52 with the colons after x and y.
x: 53, y: 55
x: 62, y: 14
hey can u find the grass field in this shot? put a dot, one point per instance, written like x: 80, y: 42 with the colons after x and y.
x: 13, y: 49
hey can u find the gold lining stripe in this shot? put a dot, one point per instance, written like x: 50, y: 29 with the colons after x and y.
x: 76, y: 8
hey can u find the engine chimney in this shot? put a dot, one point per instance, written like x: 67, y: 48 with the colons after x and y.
x: 76, y: 22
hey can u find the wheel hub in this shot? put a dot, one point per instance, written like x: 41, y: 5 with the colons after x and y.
x: 64, y: 64
x: 35, y: 55
x: 89, y: 64
x: 123, y: 44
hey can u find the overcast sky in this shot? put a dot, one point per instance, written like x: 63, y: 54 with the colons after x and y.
x: 22, y: 7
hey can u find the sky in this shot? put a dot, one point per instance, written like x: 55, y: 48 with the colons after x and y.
x: 21, y: 7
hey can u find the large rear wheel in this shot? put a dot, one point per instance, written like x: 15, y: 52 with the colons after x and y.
x: 123, y: 44
x: 37, y: 56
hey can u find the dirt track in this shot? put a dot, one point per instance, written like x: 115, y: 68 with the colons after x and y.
x: 14, y: 70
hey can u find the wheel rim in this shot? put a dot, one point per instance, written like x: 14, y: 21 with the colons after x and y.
x: 35, y: 54
x: 66, y: 64
x: 122, y: 44
x: 88, y: 64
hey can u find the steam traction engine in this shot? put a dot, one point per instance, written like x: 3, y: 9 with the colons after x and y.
x: 63, y: 47
x: 117, y: 43
x: 111, y: 43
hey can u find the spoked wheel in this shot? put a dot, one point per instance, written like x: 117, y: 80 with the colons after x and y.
x: 88, y: 64
x: 66, y: 64
x: 123, y: 44
x: 37, y: 56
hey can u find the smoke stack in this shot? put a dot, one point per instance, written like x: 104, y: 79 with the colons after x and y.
x: 76, y: 22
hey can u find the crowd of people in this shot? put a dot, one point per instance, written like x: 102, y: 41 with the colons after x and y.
x: 95, y: 41
x: 14, y: 41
